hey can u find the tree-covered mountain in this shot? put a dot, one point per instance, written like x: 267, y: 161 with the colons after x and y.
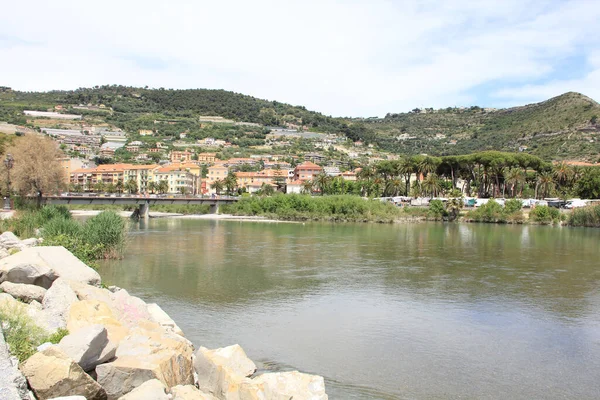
x: 564, y: 127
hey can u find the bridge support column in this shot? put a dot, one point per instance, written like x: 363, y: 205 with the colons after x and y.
x: 144, y: 210
x: 214, y: 208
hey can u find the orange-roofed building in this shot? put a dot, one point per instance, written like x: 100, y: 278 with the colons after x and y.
x: 348, y: 176
x: 307, y: 170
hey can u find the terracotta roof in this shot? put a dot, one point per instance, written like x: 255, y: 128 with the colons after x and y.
x: 83, y: 171
x: 308, y: 165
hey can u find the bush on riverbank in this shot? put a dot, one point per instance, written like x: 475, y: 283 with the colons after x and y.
x: 102, y: 236
x: 493, y: 212
x: 585, y: 216
x: 326, y: 208
x: 545, y: 215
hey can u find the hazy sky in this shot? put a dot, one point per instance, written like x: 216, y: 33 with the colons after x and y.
x: 344, y: 58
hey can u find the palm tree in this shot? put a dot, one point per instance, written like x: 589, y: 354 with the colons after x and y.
x: 119, y: 186
x: 406, y: 168
x: 545, y: 183
x: 562, y: 173
x: 99, y: 187
x: 393, y: 187
x: 163, y: 186
x: 230, y: 182
x: 217, y: 186
x: 322, y: 182
x: 266, y: 190
x: 307, y: 187
x: 515, y: 177
x: 152, y: 187
x: 432, y: 185
x: 131, y: 186
x: 428, y: 165
x: 110, y: 188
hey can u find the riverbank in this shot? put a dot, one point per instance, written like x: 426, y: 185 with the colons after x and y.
x: 227, y: 217
x: 107, y: 343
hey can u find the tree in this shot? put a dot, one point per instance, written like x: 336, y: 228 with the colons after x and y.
x: 307, y: 187
x: 99, y: 187
x: 230, y: 182
x: 217, y: 186
x: 119, y: 186
x: 432, y: 185
x: 322, y: 182
x: 163, y: 186
x: 545, y: 183
x: 36, y: 170
x: 152, y: 187
x: 131, y: 186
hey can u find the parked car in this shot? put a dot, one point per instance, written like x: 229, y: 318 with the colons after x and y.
x: 575, y: 203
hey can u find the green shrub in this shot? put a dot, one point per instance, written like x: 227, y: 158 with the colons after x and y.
x: 545, y: 215
x: 585, y: 216
x: 106, y: 229
x: 436, y: 210
x: 491, y: 211
x: 21, y: 333
x: 85, y: 251
x: 61, y: 226
x: 512, y: 205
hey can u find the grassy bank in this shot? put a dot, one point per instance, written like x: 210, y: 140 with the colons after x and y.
x: 102, y: 236
x: 327, y: 208
x: 586, y: 216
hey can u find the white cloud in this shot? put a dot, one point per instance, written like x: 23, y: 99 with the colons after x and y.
x: 359, y: 58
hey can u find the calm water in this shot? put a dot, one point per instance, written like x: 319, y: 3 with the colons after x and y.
x: 423, y: 311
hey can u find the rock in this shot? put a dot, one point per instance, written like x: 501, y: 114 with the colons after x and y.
x: 23, y: 292
x: 13, y: 385
x: 189, y: 392
x: 42, y: 265
x: 232, y: 357
x: 149, y: 390
x: 9, y: 240
x: 130, y: 309
x: 217, y: 379
x: 145, y: 355
x: 3, y: 253
x: 44, y: 346
x: 31, y: 242
x: 35, y: 304
x: 292, y: 385
x: 158, y: 315
x: 52, y: 373
x: 58, y: 300
x: 88, y: 347
x: 114, y: 288
x: 92, y: 312
x: 68, y: 398
x: 33, y: 310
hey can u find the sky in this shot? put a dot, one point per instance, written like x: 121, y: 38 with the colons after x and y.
x: 357, y: 58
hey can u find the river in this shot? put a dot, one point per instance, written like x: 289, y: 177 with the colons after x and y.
x: 405, y: 311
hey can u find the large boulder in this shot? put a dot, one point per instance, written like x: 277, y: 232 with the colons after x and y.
x: 144, y: 355
x: 130, y: 309
x: 9, y: 240
x: 58, y: 300
x: 189, y: 392
x: 225, y: 378
x: 42, y: 265
x: 232, y: 357
x: 158, y: 315
x: 24, y: 292
x: 4, y: 253
x: 51, y: 373
x: 13, y: 385
x: 149, y: 390
x: 292, y: 385
x: 92, y: 312
x: 88, y: 347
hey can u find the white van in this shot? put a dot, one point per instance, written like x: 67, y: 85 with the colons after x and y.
x: 575, y: 203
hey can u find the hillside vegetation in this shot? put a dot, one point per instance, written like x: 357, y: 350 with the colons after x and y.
x: 564, y: 127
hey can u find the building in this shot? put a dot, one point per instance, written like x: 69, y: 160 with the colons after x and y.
x: 108, y: 149
x: 142, y: 175
x: 146, y: 132
x: 348, y: 176
x: 294, y: 187
x: 132, y: 149
x: 180, y: 180
x: 216, y: 172
x: 207, y: 157
x: 50, y: 114
x: 307, y: 170
x: 331, y: 171
x: 113, y: 136
x: 314, y: 157
x: 72, y: 164
x: 181, y: 156
x: 269, y: 176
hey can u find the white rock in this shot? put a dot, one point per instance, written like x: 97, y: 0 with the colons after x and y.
x: 3, y: 253
x: 190, y: 392
x: 292, y: 385
x: 9, y: 240
x: 131, y: 309
x: 31, y: 242
x: 24, y: 292
x: 42, y: 265
x: 149, y: 390
x: 88, y: 347
x: 158, y: 315
x: 232, y: 357
x: 44, y: 346
x: 58, y: 300
x: 69, y: 398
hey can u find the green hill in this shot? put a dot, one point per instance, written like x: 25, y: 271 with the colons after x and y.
x: 563, y: 127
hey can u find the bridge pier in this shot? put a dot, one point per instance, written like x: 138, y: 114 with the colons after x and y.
x: 144, y: 210
x: 214, y: 208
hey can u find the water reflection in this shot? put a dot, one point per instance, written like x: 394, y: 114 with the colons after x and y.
x: 385, y: 312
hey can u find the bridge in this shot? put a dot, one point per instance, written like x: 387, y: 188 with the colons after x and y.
x: 143, y: 202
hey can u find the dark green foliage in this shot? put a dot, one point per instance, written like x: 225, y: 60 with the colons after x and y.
x: 437, y: 210
x: 305, y: 207
x: 491, y: 211
x: 108, y: 230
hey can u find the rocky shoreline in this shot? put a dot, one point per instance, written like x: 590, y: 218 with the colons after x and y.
x: 117, y: 346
